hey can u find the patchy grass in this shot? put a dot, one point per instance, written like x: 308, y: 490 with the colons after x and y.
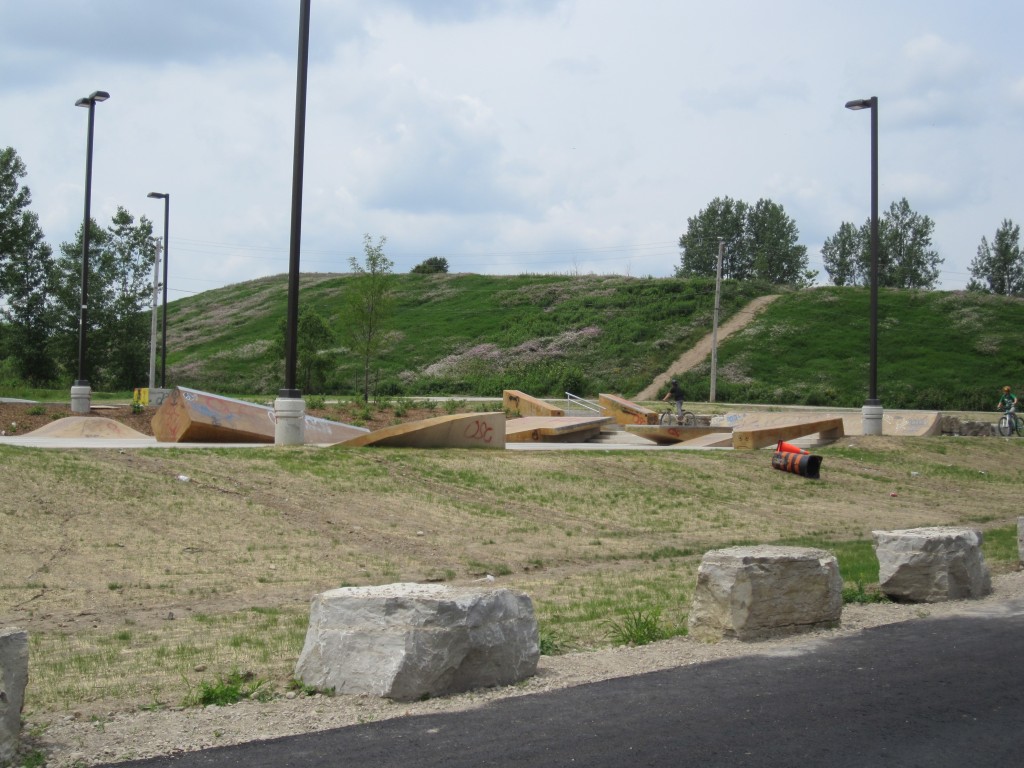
x: 138, y: 587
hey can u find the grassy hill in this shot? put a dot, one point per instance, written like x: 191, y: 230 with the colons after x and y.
x: 547, y: 334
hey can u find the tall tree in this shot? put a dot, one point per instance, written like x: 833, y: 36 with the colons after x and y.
x: 313, y: 336
x: 368, y: 305
x: 26, y: 264
x: 906, y: 258
x: 120, y: 268
x: 771, y: 239
x: 841, y: 255
x: 723, y: 218
x: 999, y: 267
x: 760, y: 243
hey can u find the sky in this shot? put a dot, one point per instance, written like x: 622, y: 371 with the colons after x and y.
x: 511, y: 136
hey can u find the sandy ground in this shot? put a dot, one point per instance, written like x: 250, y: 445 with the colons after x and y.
x: 74, y: 740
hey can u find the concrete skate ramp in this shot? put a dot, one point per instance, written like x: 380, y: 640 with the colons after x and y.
x: 87, y: 426
x: 671, y: 435
x: 625, y: 412
x: 895, y: 423
x: 464, y: 430
x: 190, y: 416
x: 554, y: 429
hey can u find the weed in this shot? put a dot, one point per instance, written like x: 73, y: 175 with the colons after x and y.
x: 35, y: 758
x: 230, y: 689
x: 315, y: 402
x: 308, y: 690
x: 550, y: 643
x: 637, y: 627
x: 36, y: 410
x: 857, y: 594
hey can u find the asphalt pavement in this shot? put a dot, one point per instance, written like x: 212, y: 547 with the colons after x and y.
x: 930, y: 692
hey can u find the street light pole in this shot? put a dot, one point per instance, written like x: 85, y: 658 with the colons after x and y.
x: 872, y: 410
x: 289, y: 407
x: 166, y: 197
x: 80, y: 391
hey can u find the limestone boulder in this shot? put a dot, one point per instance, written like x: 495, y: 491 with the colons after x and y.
x: 751, y: 593
x: 412, y: 641
x: 13, y: 679
x: 929, y: 565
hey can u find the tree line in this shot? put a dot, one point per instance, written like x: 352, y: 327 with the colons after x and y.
x: 760, y: 242
x: 40, y: 294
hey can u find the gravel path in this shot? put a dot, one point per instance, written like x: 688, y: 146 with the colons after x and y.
x: 72, y: 740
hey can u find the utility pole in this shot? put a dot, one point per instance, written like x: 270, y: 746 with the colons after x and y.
x: 714, y: 327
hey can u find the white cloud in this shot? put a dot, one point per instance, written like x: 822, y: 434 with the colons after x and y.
x: 521, y: 136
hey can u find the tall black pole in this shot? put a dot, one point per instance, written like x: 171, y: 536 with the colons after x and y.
x: 873, y: 383
x: 872, y: 410
x: 291, y: 337
x: 83, y: 317
x: 163, y: 327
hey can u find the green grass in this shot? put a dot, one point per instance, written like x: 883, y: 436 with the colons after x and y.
x: 936, y: 350
x: 589, y: 333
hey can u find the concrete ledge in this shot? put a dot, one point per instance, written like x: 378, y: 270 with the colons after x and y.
x: 622, y: 411
x: 528, y: 405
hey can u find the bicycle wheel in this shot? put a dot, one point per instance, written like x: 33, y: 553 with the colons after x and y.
x: 1004, y: 427
x: 689, y: 419
x: 667, y: 420
x: 1019, y: 423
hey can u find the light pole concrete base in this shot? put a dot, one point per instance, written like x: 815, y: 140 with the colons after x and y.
x: 158, y: 395
x: 872, y: 417
x: 290, y: 421
x: 81, y: 398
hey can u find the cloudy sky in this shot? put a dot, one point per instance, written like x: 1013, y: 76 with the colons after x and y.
x: 511, y: 136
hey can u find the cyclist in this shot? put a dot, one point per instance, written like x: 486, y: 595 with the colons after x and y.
x: 676, y: 393
x: 1007, y: 402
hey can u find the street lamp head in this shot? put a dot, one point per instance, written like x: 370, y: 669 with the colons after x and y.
x: 92, y: 98
x: 861, y: 103
x: 158, y: 195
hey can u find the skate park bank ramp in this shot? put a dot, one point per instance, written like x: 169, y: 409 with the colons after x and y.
x: 895, y: 423
x: 191, y: 416
x: 87, y: 426
x: 467, y: 430
x: 555, y: 429
x: 625, y: 412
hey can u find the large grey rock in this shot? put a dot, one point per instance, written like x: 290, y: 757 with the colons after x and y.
x: 13, y: 679
x: 411, y: 641
x: 765, y: 591
x: 930, y: 565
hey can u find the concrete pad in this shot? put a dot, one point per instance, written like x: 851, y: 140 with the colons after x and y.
x: 463, y: 430
x: 86, y: 426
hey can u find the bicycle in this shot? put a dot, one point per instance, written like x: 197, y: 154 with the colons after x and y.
x: 1009, y: 423
x: 668, y: 418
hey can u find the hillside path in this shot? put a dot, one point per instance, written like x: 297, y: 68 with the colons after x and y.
x: 696, y: 354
